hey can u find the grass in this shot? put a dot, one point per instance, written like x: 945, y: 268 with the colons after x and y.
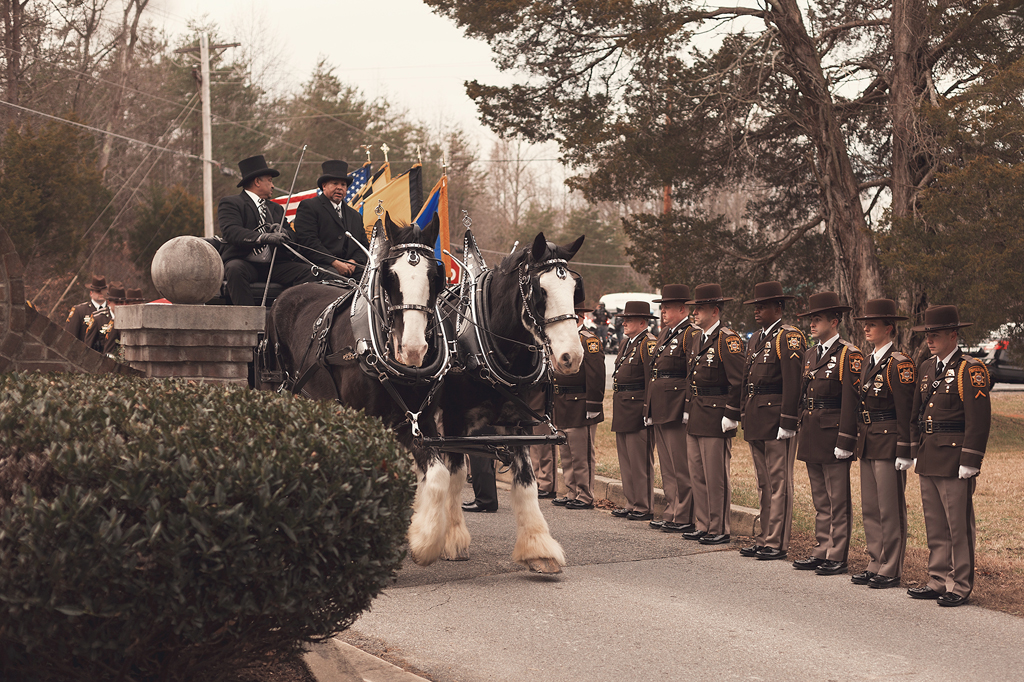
x: 998, y: 502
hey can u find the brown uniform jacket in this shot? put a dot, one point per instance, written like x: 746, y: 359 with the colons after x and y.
x: 888, y: 387
x: 95, y: 326
x: 632, y: 369
x: 582, y: 392
x: 665, y: 401
x: 961, y: 397
x: 774, y: 366
x: 716, y: 377
x: 76, y: 322
x: 831, y: 390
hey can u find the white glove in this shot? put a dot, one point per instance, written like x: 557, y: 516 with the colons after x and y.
x: 842, y: 454
x: 903, y: 463
x: 728, y: 424
x: 967, y: 472
x: 785, y: 434
x: 686, y: 417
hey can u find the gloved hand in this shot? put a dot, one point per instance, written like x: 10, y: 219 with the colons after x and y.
x: 273, y: 238
x: 903, y: 463
x: 842, y: 454
x: 728, y: 424
x: 785, y: 434
x: 686, y: 417
x: 593, y: 415
x: 648, y: 421
x: 967, y: 472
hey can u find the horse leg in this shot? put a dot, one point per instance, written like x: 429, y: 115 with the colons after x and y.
x: 535, y: 548
x: 456, y: 541
x: 430, y: 511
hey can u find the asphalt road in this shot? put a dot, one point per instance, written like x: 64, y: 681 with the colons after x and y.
x: 636, y: 604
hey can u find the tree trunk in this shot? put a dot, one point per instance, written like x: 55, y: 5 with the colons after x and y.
x: 127, y: 40
x: 14, y: 12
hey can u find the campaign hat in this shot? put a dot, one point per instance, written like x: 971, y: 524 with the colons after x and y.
x: 938, y: 317
x: 254, y: 167
x: 636, y: 309
x: 880, y: 309
x: 673, y: 293
x: 768, y: 291
x: 115, y: 293
x: 134, y: 296
x: 707, y: 293
x: 98, y: 283
x: 824, y: 301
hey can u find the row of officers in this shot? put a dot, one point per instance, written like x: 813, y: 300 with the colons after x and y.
x: 685, y: 392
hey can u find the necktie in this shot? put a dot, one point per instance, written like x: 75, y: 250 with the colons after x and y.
x: 703, y: 339
x: 264, y: 212
x: 341, y: 210
x: 871, y: 362
x: 938, y: 368
x: 821, y: 351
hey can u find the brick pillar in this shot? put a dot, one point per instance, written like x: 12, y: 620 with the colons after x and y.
x: 212, y: 344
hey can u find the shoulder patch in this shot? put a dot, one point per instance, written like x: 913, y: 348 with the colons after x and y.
x: 906, y: 372
x: 794, y: 340
x: 979, y: 375
x: 856, y: 361
x: 593, y: 346
x: 71, y: 314
x: 734, y: 344
x: 651, y: 343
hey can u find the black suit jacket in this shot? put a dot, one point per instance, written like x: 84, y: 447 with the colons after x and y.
x: 238, y: 219
x: 318, y: 226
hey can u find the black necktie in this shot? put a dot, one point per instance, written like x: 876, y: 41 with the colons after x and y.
x: 938, y: 368
x: 871, y: 363
x: 703, y: 339
x: 821, y: 351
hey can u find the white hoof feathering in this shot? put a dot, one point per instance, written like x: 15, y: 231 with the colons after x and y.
x: 456, y: 541
x: 533, y: 539
x: 430, y: 516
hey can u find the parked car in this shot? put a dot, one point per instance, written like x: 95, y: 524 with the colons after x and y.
x: 1003, y: 367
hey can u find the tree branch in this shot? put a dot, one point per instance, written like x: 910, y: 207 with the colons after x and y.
x: 989, y: 10
x: 827, y: 33
x: 794, y: 236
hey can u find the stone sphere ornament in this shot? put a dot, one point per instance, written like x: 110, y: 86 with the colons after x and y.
x: 187, y: 270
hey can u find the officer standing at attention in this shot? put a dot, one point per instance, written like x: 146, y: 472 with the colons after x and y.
x: 883, y: 445
x: 828, y: 432
x: 665, y: 404
x: 772, y: 384
x: 629, y: 383
x: 949, y: 432
x: 713, y: 412
x: 78, y: 319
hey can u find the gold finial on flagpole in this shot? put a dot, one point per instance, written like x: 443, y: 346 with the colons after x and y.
x: 444, y: 165
x: 379, y: 210
x: 366, y: 148
x: 385, y: 148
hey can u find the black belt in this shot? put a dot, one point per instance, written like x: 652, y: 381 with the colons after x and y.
x: 868, y: 416
x: 627, y: 387
x: 562, y: 390
x: 666, y: 374
x: 709, y: 390
x: 823, y: 403
x: 764, y: 389
x: 931, y: 426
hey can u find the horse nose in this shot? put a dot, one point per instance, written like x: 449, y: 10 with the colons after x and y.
x: 414, y: 356
x: 566, y: 359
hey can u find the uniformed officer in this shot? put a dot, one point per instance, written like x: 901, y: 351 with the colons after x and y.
x: 578, y: 409
x: 772, y: 383
x: 101, y: 321
x: 542, y: 457
x: 78, y: 319
x: 883, y: 445
x: 949, y: 431
x: 715, y: 367
x: 828, y: 431
x: 665, y: 404
x: 629, y: 383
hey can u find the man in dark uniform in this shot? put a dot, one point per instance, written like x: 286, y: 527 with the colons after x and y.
x: 578, y: 409
x: 883, y: 445
x: 601, y: 318
x: 629, y: 383
x: 665, y: 404
x: 828, y: 432
x: 322, y: 221
x: 949, y: 430
x: 772, y: 382
x: 102, y: 336
x: 248, y: 221
x: 713, y: 411
x: 78, y: 319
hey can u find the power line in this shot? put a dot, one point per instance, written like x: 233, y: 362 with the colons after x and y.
x: 575, y: 262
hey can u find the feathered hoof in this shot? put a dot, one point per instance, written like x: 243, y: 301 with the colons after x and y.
x: 458, y: 555
x: 421, y: 550
x: 545, y: 566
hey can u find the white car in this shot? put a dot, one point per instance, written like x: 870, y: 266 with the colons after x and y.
x: 616, y: 302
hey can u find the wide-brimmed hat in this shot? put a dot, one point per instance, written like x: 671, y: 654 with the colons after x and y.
x: 821, y: 302
x: 880, y: 309
x: 768, y: 291
x: 97, y: 284
x: 335, y: 169
x: 254, y: 167
x: 636, y: 309
x: 582, y: 307
x: 134, y: 296
x: 939, y: 317
x: 674, y: 293
x: 707, y: 293
x: 115, y: 293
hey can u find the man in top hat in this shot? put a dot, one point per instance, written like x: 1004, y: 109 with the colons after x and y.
x: 248, y: 221
x: 771, y: 387
x: 322, y: 221
x: 78, y: 318
x: 713, y: 411
x: 578, y: 409
x: 665, y: 404
x: 828, y: 431
x: 949, y: 431
x: 629, y: 384
x: 883, y: 445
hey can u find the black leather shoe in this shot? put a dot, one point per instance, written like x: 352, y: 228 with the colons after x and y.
x: 637, y: 516
x: 545, y: 494
x: 950, y: 599
x: 771, y: 553
x: 656, y: 524
x: 695, y: 534
x: 673, y: 527
x: 579, y: 504
x: 880, y: 582
x: 560, y: 501
x: 751, y: 551
x: 831, y: 568
x: 474, y: 507
x: 862, y: 578
x: 924, y: 593
x: 620, y: 513
x: 808, y: 564
x: 714, y: 540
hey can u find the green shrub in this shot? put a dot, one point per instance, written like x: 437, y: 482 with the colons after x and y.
x: 162, y: 530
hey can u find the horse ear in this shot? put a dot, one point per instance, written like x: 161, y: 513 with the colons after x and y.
x: 567, y: 252
x: 390, y: 228
x: 428, y: 235
x: 540, y: 247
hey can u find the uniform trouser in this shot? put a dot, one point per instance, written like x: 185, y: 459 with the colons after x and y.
x: 675, y: 472
x: 239, y: 274
x: 949, y: 522
x: 773, y: 463
x: 830, y: 492
x: 636, y: 466
x: 884, y: 504
x: 485, y: 485
x: 709, y: 461
x: 578, y: 463
x: 543, y: 459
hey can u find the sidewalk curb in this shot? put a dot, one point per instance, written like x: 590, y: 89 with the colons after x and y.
x: 336, y: 661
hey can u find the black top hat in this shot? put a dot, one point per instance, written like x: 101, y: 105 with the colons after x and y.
x: 97, y: 283
x: 334, y: 170
x: 938, y: 317
x: 767, y: 291
x: 636, y: 309
x: 115, y: 294
x: 708, y: 293
x: 673, y: 293
x: 826, y: 300
x: 880, y: 309
x: 254, y: 167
